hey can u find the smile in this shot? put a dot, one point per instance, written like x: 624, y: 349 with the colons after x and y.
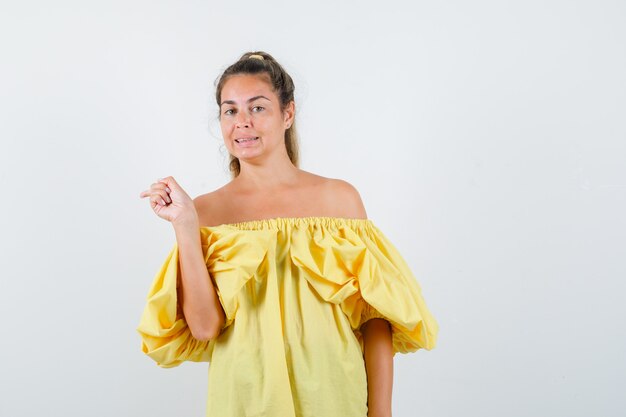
x: 241, y: 140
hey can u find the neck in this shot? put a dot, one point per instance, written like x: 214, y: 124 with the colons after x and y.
x: 268, y: 175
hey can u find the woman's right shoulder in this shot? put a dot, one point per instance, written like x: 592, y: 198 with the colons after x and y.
x: 210, y: 206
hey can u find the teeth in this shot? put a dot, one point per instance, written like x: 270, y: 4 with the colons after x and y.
x: 245, y: 140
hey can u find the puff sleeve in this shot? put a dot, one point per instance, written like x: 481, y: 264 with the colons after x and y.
x: 354, y: 265
x: 165, y: 336
x: 232, y: 258
x: 388, y: 289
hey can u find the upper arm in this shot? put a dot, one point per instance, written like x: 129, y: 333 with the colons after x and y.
x: 347, y: 200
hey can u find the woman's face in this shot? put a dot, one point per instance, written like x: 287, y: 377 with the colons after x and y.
x: 249, y: 109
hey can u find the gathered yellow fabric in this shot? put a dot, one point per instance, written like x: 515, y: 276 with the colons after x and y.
x: 295, y: 291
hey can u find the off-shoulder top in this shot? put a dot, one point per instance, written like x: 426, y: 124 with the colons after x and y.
x: 295, y: 291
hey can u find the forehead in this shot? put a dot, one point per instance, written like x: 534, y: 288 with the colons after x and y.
x: 242, y: 86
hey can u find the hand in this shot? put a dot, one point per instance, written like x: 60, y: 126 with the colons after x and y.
x: 170, y: 202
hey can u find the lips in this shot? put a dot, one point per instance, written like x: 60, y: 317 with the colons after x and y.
x: 248, y: 139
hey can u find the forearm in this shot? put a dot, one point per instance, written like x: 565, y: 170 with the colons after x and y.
x: 201, y: 306
x: 378, y: 356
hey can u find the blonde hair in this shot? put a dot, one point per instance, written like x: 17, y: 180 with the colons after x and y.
x: 262, y: 63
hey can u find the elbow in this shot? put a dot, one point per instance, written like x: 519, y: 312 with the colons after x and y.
x: 203, y: 336
x: 208, y: 328
x: 208, y: 333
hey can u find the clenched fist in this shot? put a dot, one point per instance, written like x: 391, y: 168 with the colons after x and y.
x: 170, y: 202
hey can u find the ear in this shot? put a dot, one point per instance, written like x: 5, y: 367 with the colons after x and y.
x: 289, y: 114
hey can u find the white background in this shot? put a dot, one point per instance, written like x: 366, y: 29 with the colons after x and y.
x: 487, y: 140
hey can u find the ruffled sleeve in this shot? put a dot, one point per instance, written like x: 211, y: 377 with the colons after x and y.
x: 232, y: 258
x: 356, y: 266
x: 165, y: 336
x: 389, y: 290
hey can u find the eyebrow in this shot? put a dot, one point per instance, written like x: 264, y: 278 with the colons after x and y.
x: 249, y: 100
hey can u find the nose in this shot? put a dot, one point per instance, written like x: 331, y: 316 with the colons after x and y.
x: 242, y: 120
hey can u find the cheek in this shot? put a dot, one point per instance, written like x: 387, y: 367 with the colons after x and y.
x: 226, y: 125
x: 267, y: 123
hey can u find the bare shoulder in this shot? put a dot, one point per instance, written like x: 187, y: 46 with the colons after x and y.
x: 345, y: 198
x: 210, y: 208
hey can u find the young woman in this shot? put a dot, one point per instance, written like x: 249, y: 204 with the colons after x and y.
x: 278, y: 278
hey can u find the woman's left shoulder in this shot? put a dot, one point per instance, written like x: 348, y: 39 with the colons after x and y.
x: 339, y: 197
x: 346, y: 198
x: 342, y: 186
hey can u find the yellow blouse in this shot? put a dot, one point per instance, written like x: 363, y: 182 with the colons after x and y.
x: 295, y: 291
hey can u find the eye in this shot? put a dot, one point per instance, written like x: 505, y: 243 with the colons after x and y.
x: 227, y: 111
x: 258, y: 107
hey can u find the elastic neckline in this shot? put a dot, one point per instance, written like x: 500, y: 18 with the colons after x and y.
x: 279, y: 222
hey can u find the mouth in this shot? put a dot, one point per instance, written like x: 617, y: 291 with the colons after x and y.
x: 244, y: 140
